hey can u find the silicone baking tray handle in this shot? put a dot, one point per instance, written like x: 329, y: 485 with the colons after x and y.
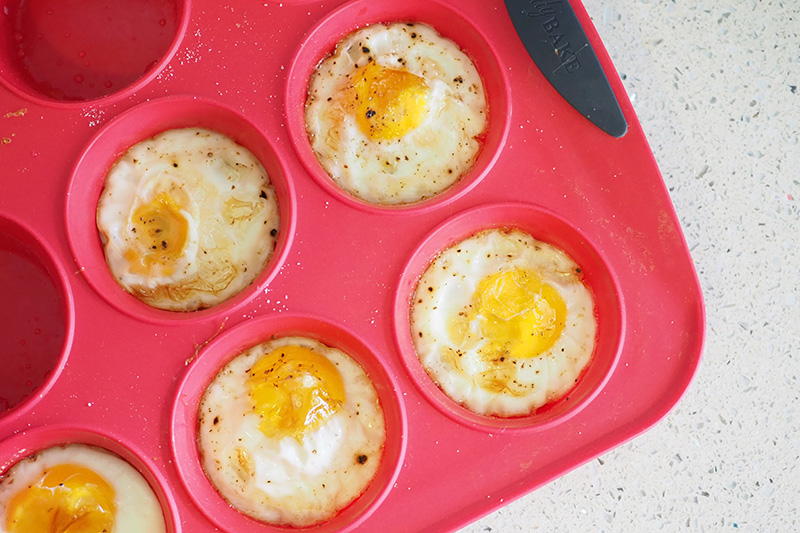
x: 555, y: 40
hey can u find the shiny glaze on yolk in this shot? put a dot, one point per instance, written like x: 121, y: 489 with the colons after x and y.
x: 388, y: 103
x: 519, y: 315
x: 67, y: 499
x: 294, y: 390
x: 160, y: 232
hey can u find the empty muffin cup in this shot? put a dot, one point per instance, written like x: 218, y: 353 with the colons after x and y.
x: 398, y: 147
x: 528, y: 325
x: 36, y: 317
x: 63, y: 53
x: 167, y: 203
x: 197, y: 409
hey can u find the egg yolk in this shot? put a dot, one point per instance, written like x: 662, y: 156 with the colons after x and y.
x: 160, y: 233
x: 388, y: 103
x: 67, y: 499
x: 294, y: 390
x: 520, y: 315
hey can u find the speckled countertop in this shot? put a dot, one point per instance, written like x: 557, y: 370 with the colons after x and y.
x: 716, y: 86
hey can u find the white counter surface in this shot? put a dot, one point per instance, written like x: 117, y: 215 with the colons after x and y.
x: 716, y: 86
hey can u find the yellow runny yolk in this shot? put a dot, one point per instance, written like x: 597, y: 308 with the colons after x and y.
x: 67, y: 499
x: 519, y: 315
x: 388, y: 103
x: 160, y: 232
x: 294, y: 390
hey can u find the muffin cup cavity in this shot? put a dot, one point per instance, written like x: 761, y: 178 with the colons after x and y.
x: 447, y: 21
x: 38, y: 439
x: 67, y: 53
x: 138, y: 124
x: 36, y: 318
x: 222, y: 350
x: 545, y: 226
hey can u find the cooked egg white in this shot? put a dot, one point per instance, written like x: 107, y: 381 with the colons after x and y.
x: 77, y: 488
x: 291, y: 431
x: 187, y: 219
x: 503, y: 323
x: 396, y: 113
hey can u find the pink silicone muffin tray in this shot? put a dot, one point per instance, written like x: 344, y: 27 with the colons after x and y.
x: 83, y: 361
